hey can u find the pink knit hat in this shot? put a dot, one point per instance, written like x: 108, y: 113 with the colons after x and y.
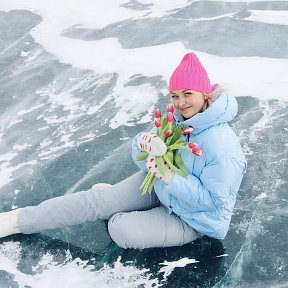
x: 190, y: 74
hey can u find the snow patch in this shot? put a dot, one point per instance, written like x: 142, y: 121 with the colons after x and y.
x: 170, y: 266
x: 268, y: 16
x: 71, y: 272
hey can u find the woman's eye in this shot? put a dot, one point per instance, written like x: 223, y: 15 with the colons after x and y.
x: 188, y: 93
x: 174, y: 96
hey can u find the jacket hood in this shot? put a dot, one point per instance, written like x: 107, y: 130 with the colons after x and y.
x: 222, y: 110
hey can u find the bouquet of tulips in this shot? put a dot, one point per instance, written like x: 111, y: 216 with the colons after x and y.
x: 170, y: 134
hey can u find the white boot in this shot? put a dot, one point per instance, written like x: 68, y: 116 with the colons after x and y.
x: 9, y: 223
x: 101, y: 186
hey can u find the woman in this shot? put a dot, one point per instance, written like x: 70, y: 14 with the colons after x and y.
x: 179, y: 209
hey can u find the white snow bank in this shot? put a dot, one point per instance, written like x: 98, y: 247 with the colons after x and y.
x: 269, y: 16
x: 264, y: 78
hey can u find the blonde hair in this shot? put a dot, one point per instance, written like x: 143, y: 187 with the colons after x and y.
x: 211, y: 97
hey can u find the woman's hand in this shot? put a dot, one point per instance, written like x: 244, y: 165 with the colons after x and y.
x: 152, y: 144
x: 151, y: 165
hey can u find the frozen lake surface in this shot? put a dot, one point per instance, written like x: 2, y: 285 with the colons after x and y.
x: 79, y: 79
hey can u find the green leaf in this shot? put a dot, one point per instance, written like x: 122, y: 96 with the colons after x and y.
x: 158, y: 131
x: 182, y: 173
x: 174, y: 168
x: 170, y: 156
x: 160, y: 164
x: 151, y: 185
x: 176, y: 135
x: 161, y: 135
x: 170, y: 164
x: 168, y: 139
x: 147, y: 188
x: 146, y: 183
x: 179, y: 144
x: 177, y: 147
x: 164, y: 122
x: 179, y: 162
x: 180, y: 141
x: 142, y: 156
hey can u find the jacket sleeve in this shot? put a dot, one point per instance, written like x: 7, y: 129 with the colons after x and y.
x: 136, y: 151
x: 217, y: 183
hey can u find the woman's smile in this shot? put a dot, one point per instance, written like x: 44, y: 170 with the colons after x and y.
x: 185, y: 109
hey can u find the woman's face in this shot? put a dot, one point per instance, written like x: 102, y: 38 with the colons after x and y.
x: 188, y: 102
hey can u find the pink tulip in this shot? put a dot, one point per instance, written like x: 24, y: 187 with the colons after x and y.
x: 158, y: 113
x: 170, y: 117
x: 193, y: 145
x: 170, y: 108
x: 197, y: 151
x: 187, y: 130
x: 157, y: 122
x: 168, y: 133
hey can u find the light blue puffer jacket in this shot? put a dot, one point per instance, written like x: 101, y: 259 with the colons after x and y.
x: 205, y: 200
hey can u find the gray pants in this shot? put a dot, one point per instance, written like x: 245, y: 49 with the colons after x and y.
x: 135, y: 221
